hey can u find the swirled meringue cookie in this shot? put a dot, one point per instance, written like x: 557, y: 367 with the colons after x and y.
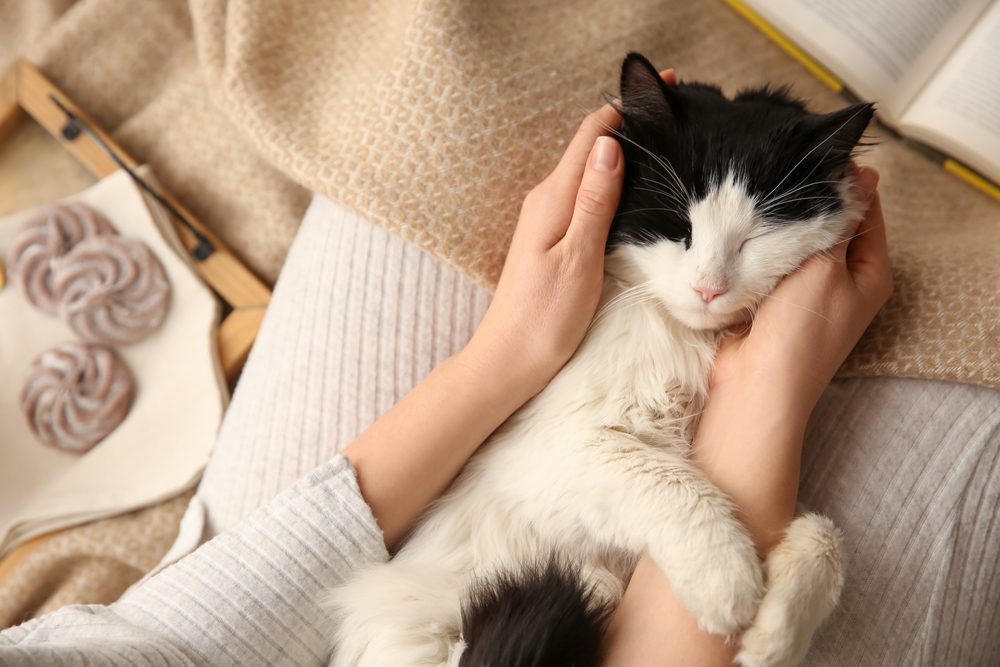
x: 111, y: 290
x: 75, y: 395
x: 45, y: 237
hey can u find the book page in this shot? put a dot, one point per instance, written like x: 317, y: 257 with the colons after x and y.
x: 959, y: 111
x: 884, y: 50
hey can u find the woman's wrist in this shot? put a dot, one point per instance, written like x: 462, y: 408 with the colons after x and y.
x: 410, y: 455
x: 514, y: 373
x: 749, y: 383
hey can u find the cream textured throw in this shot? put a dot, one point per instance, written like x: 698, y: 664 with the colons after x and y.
x: 432, y: 118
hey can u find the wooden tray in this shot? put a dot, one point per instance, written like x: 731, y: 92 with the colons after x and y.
x: 25, y: 91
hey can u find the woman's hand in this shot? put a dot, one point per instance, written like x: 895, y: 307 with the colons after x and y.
x: 545, y: 299
x: 805, y: 329
x: 551, y: 281
x: 766, y: 382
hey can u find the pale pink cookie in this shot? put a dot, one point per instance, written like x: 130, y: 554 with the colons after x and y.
x: 75, y: 395
x: 111, y: 290
x: 45, y: 237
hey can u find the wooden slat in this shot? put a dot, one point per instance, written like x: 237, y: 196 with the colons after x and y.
x: 22, y: 552
x: 34, y: 93
x: 10, y: 111
x: 236, y: 335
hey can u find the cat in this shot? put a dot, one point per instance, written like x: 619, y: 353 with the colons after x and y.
x: 521, y: 562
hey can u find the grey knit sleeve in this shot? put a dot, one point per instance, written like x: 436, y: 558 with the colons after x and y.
x: 248, y: 597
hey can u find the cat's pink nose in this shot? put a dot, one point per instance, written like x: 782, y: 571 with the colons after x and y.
x: 708, y: 293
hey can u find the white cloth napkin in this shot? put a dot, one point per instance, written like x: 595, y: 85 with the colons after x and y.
x: 163, y: 444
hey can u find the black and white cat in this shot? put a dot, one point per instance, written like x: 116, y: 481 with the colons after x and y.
x: 519, y: 563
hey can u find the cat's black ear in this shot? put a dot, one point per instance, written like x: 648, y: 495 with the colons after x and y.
x: 644, y: 95
x: 837, y: 134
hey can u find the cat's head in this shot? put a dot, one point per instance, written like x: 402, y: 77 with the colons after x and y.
x: 722, y: 198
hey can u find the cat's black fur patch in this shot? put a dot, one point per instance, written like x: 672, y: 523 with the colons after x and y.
x: 541, y: 616
x: 763, y: 135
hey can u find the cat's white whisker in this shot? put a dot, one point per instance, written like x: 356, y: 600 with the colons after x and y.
x: 635, y: 294
x: 784, y: 196
x: 670, y: 171
x: 768, y: 209
x: 669, y: 188
x: 646, y: 210
x: 811, y: 150
x: 796, y: 305
x: 657, y: 192
x: 802, y: 182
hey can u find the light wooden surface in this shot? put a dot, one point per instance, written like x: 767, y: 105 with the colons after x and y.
x: 28, y: 177
x: 35, y: 169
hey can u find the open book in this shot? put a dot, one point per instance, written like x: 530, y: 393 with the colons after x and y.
x: 933, y: 66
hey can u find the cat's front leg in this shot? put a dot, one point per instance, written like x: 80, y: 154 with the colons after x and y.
x: 805, y: 574
x: 653, y: 498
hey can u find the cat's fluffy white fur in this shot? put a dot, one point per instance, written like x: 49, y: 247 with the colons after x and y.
x: 600, y: 458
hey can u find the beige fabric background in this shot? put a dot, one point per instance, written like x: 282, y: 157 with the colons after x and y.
x: 90, y: 564
x: 432, y: 118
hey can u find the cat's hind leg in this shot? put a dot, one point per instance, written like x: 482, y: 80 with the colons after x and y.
x: 405, y: 614
x: 804, y: 577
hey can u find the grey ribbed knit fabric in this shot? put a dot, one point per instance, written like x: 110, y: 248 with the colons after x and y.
x: 248, y: 597
x: 907, y: 468
x: 358, y: 317
x: 909, y: 471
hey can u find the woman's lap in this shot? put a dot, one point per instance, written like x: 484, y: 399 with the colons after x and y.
x: 909, y: 471
x: 358, y: 317
x: 907, y: 468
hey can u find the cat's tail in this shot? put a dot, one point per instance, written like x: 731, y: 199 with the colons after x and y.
x: 540, y: 614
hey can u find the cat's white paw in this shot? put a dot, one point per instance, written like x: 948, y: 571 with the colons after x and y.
x: 771, y: 648
x: 805, y: 574
x: 724, y: 590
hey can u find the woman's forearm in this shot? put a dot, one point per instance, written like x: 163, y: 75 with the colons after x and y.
x: 750, y: 445
x: 410, y: 455
x: 543, y: 304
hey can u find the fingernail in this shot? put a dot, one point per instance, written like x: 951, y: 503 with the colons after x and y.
x: 606, y: 154
x: 866, y: 181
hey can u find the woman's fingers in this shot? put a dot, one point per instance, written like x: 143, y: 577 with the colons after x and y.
x: 865, y: 180
x: 569, y: 172
x: 597, y: 197
x: 868, y: 254
x: 869, y: 242
x: 604, y: 121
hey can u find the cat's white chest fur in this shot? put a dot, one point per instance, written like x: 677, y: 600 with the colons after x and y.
x: 636, y: 383
x: 637, y: 371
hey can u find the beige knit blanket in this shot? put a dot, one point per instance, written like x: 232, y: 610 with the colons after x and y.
x: 434, y: 117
